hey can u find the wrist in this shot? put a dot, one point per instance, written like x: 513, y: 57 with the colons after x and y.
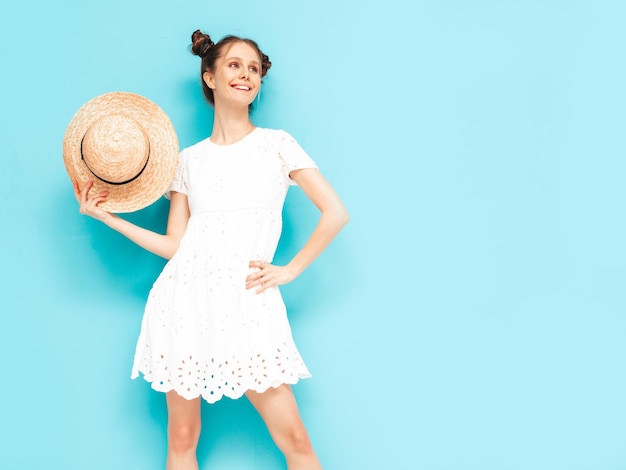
x: 293, y: 270
x: 108, y: 218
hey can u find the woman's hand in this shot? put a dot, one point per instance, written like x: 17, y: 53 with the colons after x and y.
x: 267, y: 275
x: 89, y: 204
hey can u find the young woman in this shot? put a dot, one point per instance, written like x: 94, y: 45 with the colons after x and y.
x: 215, y: 323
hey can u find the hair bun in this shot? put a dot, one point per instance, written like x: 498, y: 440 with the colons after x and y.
x: 201, y: 43
x: 266, y: 64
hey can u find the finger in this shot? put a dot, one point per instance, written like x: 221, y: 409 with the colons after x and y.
x: 258, y: 279
x: 257, y: 264
x: 85, y: 190
x: 99, y: 198
x: 92, y: 202
x: 264, y: 285
x: 254, y: 283
x: 77, y: 191
x: 253, y: 276
x: 94, y: 197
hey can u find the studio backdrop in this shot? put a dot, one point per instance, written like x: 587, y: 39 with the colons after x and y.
x: 471, y: 316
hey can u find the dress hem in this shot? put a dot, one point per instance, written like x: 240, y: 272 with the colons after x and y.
x: 215, y: 397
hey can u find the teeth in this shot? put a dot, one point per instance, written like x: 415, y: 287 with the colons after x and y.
x: 242, y: 87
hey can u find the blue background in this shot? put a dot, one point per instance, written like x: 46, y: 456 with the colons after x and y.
x: 470, y: 316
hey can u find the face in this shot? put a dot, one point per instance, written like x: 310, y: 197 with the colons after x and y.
x: 237, y: 76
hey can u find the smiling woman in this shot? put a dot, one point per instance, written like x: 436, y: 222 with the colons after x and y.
x: 240, y: 73
x: 215, y: 324
x: 233, y: 56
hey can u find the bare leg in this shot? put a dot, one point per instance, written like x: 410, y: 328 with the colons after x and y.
x: 183, y: 432
x: 278, y: 408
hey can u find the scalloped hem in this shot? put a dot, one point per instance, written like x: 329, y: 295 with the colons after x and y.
x: 212, y: 397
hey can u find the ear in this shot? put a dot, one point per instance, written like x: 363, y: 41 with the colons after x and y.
x: 209, y: 80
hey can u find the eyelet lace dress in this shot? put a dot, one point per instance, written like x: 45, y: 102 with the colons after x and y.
x: 203, y: 333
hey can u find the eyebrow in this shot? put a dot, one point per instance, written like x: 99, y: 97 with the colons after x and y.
x: 241, y: 60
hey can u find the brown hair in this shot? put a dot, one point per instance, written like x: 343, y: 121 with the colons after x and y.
x: 203, y: 46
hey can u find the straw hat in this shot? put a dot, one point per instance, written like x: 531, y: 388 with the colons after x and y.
x: 126, y: 145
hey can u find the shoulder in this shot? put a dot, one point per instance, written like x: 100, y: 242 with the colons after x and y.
x: 195, y: 149
x: 276, y: 135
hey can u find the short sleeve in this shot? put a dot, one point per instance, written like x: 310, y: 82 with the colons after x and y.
x: 293, y: 156
x: 179, y: 183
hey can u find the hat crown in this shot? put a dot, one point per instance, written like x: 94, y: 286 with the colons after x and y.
x: 126, y: 146
x: 115, y: 148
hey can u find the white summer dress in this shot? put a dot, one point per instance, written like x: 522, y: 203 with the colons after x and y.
x: 203, y: 333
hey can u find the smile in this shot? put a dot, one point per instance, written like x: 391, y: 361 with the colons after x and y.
x: 241, y: 87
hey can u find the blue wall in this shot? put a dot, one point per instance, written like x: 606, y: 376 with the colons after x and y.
x: 470, y: 317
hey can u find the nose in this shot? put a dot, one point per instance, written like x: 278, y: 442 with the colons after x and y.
x: 244, y: 72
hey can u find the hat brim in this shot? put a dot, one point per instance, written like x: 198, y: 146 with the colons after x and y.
x: 155, y: 179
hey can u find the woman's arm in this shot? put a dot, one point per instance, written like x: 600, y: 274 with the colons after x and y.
x: 333, y: 217
x: 161, y: 245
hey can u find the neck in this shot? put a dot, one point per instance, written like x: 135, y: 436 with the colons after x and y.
x: 230, y: 125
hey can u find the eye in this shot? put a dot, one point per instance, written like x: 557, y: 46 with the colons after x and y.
x: 254, y: 69
x: 233, y: 65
